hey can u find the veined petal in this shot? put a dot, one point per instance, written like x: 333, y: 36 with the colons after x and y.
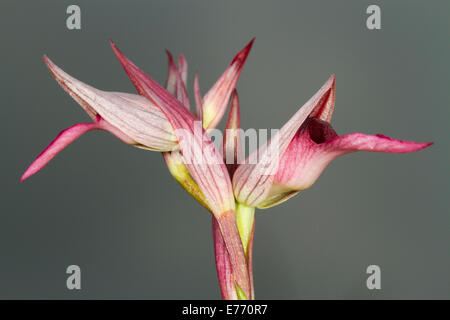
x: 181, y: 93
x: 253, y: 179
x: 198, y: 99
x: 171, y: 74
x: 203, y: 161
x: 133, y: 115
x: 183, y: 68
x: 175, y: 83
x: 315, y: 145
x: 232, y: 149
x: 216, y: 99
x: 174, y: 159
x: 210, y: 172
x: 324, y: 109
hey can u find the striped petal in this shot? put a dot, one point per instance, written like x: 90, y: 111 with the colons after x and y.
x: 198, y: 99
x: 176, y: 80
x: 130, y: 117
x: 216, y: 99
x: 253, y: 179
x: 183, y: 68
x: 203, y: 161
x: 324, y: 109
x: 232, y: 149
x: 131, y: 114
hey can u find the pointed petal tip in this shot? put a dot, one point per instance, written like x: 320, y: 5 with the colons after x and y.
x: 331, y: 80
x: 23, y: 177
x: 424, y: 145
x: 169, y: 55
x: 48, y: 62
x: 404, y: 146
x: 243, y: 54
x: 31, y: 170
x: 113, y: 46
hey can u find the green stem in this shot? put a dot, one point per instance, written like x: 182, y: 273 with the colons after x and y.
x: 245, y: 219
x: 245, y: 216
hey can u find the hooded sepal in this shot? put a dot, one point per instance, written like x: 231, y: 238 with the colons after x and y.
x: 253, y: 179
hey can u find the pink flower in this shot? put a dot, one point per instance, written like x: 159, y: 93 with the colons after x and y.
x: 160, y: 119
x: 301, y: 150
x: 153, y: 120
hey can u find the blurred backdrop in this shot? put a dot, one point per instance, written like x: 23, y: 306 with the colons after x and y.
x: 115, y: 211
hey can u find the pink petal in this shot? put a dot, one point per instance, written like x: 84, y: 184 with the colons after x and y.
x: 198, y: 99
x: 232, y: 149
x: 65, y: 138
x: 216, y: 100
x: 173, y: 159
x: 252, y: 180
x: 172, y: 74
x: 203, y: 161
x: 183, y: 68
x: 181, y: 120
x: 324, y: 109
x: 175, y: 83
x: 373, y: 143
x: 134, y: 116
x: 181, y: 92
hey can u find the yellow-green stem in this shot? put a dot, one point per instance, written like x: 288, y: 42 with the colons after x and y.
x: 245, y: 217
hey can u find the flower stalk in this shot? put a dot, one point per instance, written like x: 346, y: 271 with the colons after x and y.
x: 245, y: 220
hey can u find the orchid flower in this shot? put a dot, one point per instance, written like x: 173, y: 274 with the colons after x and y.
x: 301, y: 150
x: 160, y: 119
x: 153, y: 121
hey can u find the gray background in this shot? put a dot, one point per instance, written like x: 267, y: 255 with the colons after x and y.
x: 115, y: 211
